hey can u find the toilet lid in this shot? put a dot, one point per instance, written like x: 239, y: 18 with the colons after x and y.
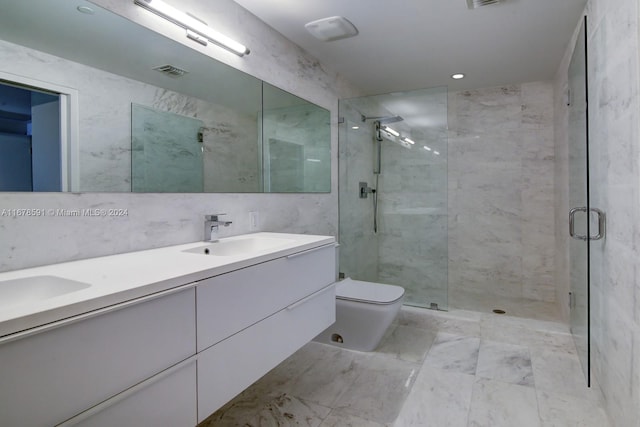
x: 375, y: 293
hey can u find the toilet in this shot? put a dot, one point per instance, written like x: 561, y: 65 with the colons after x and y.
x: 364, y: 311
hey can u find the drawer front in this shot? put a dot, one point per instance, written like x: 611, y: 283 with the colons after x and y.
x: 166, y: 400
x: 229, y: 367
x: 231, y: 302
x: 52, y: 376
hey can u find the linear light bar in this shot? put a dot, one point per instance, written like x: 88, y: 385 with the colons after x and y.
x: 391, y: 131
x: 192, y: 25
x: 407, y: 140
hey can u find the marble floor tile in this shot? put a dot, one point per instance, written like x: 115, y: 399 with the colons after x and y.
x: 327, y: 379
x: 252, y: 410
x: 335, y: 419
x: 380, y: 389
x: 407, y: 343
x: 505, y: 362
x: 498, y: 404
x: 438, y: 399
x: 516, y: 307
x: 508, y: 371
x: 454, y: 353
x: 558, y: 410
x: 460, y: 322
x: 559, y: 372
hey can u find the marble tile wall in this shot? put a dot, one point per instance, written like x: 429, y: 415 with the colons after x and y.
x: 614, y: 150
x: 155, y: 220
x: 501, y: 193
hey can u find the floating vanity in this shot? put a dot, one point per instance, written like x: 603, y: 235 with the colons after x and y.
x: 161, y: 337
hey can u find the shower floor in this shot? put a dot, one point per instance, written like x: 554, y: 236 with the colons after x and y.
x: 516, y: 307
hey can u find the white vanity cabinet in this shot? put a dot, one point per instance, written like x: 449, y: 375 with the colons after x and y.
x: 169, y: 357
x: 250, y: 320
x: 54, y: 375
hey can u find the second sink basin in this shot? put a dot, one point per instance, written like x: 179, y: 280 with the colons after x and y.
x: 236, y: 246
x: 36, y: 288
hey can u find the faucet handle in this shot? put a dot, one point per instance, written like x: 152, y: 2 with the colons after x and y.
x: 213, y: 217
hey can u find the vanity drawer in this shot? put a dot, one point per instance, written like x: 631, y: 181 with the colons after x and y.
x: 52, y: 376
x: 165, y: 400
x: 230, y: 366
x: 231, y: 302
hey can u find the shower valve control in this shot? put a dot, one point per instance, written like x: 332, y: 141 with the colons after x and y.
x: 365, y: 190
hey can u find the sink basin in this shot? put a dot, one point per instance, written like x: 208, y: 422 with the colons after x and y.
x: 35, y: 289
x: 240, y: 246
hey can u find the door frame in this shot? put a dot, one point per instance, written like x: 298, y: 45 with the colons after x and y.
x: 69, y: 125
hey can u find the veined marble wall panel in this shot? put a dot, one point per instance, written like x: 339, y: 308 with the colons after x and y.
x: 156, y: 220
x: 501, y: 162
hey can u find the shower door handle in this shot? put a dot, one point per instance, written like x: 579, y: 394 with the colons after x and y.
x: 572, y: 214
x: 602, y: 224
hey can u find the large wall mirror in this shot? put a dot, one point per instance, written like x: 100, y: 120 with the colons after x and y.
x: 92, y: 102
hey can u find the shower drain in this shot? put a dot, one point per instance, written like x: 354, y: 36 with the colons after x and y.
x: 499, y: 311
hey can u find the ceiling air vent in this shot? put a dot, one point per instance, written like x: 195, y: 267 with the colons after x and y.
x: 474, y: 4
x: 170, y: 70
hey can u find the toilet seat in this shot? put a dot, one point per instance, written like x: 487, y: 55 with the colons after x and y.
x: 368, y: 292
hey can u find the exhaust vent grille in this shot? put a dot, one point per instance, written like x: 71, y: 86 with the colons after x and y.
x: 170, y: 70
x: 474, y: 4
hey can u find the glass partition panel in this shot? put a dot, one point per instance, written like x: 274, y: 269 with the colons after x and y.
x: 393, y: 192
x: 166, y: 152
x: 296, y: 144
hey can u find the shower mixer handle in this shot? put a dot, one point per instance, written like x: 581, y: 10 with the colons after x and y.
x: 365, y: 190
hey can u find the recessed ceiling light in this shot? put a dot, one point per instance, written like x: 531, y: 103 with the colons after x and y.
x: 457, y: 76
x: 86, y: 10
x: 332, y: 28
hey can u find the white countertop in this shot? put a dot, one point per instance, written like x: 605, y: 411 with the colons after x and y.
x: 119, y: 278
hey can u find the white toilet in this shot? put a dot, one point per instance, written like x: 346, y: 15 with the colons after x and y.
x: 364, y: 311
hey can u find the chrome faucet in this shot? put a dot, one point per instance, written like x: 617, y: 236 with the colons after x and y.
x: 211, y: 226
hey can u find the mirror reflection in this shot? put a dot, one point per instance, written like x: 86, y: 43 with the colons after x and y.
x: 139, y: 108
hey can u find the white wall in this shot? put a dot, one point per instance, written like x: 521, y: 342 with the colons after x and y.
x: 155, y: 220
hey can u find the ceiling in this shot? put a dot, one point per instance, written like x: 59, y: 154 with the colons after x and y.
x: 411, y: 44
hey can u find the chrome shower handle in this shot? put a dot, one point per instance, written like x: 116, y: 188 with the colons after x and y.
x: 572, y: 214
x: 602, y: 224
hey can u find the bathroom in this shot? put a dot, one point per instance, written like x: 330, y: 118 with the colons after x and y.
x: 535, y: 255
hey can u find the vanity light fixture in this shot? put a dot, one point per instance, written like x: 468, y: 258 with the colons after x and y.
x: 196, y: 29
x: 407, y: 140
x: 390, y: 131
x: 457, y: 76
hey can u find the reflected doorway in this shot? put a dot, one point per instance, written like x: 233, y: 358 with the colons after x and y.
x: 30, y: 139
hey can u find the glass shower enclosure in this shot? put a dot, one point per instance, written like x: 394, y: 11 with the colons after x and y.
x: 393, y: 192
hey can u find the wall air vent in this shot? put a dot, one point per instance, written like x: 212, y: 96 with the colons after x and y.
x: 170, y: 70
x: 474, y: 4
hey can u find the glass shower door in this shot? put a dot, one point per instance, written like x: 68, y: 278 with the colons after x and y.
x: 579, y: 227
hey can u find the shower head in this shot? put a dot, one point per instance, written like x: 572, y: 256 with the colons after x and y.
x: 383, y: 119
